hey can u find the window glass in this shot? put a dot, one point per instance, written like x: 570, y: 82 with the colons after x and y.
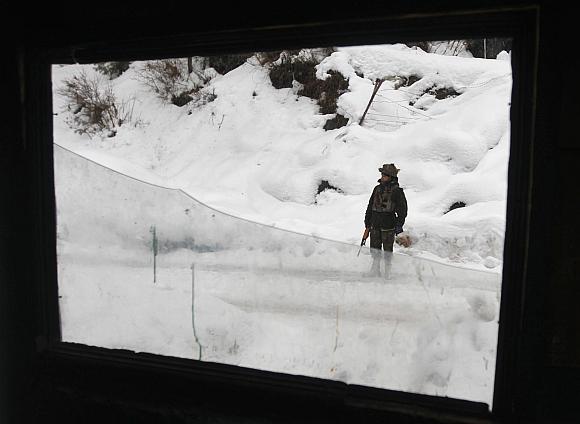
x: 216, y: 208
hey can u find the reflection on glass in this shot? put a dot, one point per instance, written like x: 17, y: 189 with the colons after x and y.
x: 218, y: 216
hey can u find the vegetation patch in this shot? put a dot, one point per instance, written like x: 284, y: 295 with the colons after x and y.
x: 488, y: 48
x: 226, y: 63
x: 267, y: 58
x: 302, y: 69
x: 173, y: 80
x: 112, y: 69
x: 93, y: 105
x: 423, y: 45
x: 325, y: 185
x: 410, y: 80
x: 337, y: 122
x: 441, y: 93
x: 456, y: 205
x: 282, y: 73
x: 181, y: 99
x: 325, y: 92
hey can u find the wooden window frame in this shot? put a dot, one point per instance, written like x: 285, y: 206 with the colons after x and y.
x: 223, y: 383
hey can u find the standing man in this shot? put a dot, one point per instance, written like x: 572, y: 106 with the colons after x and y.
x: 384, y: 218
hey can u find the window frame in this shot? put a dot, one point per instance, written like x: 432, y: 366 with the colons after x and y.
x: 62, y: 360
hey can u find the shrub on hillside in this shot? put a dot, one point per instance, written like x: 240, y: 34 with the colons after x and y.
x: 333, y: 87
x: 93, y: 105
x: 302, y: 69
x: 112, y: 69
x: 441, y: 93
x: 337, y: 122
x: 404, y: 81
x: 226, y: 63
x: 295, y: 65
x: 171, y: 80
x: 488, y: 48
x: 281, y: 72
x: 200, y: 98
x: 423, y: 45
x: 267, y: 58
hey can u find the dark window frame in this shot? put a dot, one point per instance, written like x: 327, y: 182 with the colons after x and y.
x: 65, y: 360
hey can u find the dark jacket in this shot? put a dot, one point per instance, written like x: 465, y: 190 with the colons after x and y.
x: 387, y: 206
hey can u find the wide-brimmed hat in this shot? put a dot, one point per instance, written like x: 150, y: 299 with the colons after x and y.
x: 389, y: 169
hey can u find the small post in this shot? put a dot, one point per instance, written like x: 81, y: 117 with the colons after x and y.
x: 193, y: 308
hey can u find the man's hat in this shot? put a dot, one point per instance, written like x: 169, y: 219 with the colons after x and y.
x: 389, y: 169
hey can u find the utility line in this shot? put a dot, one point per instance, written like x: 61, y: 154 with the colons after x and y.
x: 395, y: 116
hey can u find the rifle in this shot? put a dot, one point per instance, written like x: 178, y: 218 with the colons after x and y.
x: 364, y: 240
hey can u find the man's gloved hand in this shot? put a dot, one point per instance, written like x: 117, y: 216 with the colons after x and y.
x: 398, y: 228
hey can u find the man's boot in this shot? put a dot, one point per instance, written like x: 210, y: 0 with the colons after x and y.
x: 388, y: 257
x: 375, y: 270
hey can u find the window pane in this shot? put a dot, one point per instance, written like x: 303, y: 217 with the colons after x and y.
x: 213, y: 209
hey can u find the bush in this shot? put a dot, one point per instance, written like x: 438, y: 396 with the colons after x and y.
x: 292, y: 66
x: 449, y: 47
x: 282, y: 72
x: 403, y: 81
x: 200, y: 98
x: 324, y: 185
x: 302, y: 69
x: 171, y: 80
x: 325, y: 92
x: 333, y: 87
x: 226, y: 63
x: 423, y: 45
x: 441, y: 93
x: 94, y: 106
x: 337, y: 122
x: 267, y: 58
x: 488, y: 49
x: 456, y: 205
x: 181, y: 99
x: 112, y: 69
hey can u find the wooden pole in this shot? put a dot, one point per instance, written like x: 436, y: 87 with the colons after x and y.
x: 378, y: 83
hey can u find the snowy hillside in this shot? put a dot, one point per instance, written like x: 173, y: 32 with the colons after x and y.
x: 261, y: 153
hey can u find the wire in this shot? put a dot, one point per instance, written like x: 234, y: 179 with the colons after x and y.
x: 394, y: 116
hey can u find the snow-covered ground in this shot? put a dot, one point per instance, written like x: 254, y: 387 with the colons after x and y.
x: 260, y: 153
x: 230, y: 188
